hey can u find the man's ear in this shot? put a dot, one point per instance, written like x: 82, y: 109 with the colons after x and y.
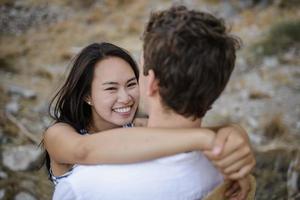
x: 152, y: 83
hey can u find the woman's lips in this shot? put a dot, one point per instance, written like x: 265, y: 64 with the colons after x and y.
x: 123, y: 111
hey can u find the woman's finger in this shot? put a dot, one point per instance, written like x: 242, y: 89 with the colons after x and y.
x: 232, y: 189
x: 242, y: 172
x: 238, y: 165
x: 233, y: 157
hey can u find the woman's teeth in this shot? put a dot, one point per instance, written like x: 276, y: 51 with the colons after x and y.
x: 122, y: 110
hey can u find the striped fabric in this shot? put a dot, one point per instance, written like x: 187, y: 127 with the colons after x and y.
x: 56, y: 179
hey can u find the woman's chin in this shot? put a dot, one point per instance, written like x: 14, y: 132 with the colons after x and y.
x: 123, y: 121
x: 124, y: 118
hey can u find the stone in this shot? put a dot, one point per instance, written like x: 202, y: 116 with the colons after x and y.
x: 3, y: 175
x: 227, y: 10
x: 293, y: 177
x: 12, y: 107
x: 253, y: 122
x: 23, y: 92
x: 27, y: 184
x: 21, y: 157
x: 24, y: 196
x: 2, y: 193
x: 1, y: 134
x: 271, y: 62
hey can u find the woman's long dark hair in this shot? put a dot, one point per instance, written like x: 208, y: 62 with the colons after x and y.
x: 68, y: 105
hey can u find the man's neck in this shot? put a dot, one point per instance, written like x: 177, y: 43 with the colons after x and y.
x: 162, y: 118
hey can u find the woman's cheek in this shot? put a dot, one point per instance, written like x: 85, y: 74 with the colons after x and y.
x: 136, y: 94
x: 105, y: 100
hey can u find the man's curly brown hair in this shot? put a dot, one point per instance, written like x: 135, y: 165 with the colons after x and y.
x: 192, y: 56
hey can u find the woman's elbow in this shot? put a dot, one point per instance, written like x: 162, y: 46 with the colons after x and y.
x: 82, y: 153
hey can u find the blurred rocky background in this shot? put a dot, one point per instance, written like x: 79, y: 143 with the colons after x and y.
x: 38, y: 39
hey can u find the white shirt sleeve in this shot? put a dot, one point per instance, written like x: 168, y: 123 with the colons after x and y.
x: 64, y: 191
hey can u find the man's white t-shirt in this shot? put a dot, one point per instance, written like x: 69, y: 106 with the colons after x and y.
x: 185, y: 176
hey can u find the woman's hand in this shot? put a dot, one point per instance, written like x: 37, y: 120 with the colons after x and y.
x: 239, y: 189
x: 231, y: 152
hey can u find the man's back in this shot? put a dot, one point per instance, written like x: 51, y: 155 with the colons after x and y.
x: 182, y: 176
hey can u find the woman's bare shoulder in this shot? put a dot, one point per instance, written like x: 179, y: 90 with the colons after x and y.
x: 57, y: 130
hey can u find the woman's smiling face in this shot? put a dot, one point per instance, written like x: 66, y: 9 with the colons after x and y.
x: 114, y: 92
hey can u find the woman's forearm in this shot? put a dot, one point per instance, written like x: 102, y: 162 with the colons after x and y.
x: 139, y: 144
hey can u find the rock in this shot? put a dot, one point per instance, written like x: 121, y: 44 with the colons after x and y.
x: 27, y: 185
x: 3, y: 138
x: 271, y: 62
x: 262, y: 4
x: 3, y: 175
x: 256, y: 84
x: 21, y: 157
x: 42, y: 108
x: 243, y: 94
x: 1, y: 133
x: 245, y: 4
x: 46, y: 121
x: 290, y: 55
x: 2, y: 193
x: 227, y: 10
x: 294, y: 177
x: 35, y: 127
x: 75, y: 50
x: 241, y: 65
x: 270, y: 171
x: 252, y: 78
x: 18, y: 17
x: 252, y: 122
x: 20, y: 91
x: 298, y: 125
x: 24, y: 196
x: 12, y: 107
x: 256, y: 139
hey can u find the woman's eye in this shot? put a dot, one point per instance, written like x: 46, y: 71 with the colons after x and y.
x: 110, y: 88
x: 131, y: 84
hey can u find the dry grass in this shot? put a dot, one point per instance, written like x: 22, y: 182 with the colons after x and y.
x: 275, y: 128
x: 5, y: 2
x: 256, y: 94
x: 6, y: 66
x: 290, y: 4
x: 7, y: 127
x: 51, y: 44
x: 281, y: 37
x: 44, y: 73
x: 3, y: 98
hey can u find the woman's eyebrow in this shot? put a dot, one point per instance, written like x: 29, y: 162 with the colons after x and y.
x: 116, y: 83
x: 134, y: 78
x: 110, y: 83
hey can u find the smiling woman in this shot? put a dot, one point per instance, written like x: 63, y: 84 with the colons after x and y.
x: 114, y: 93
x: 94, y: 66
x: 100, y: 93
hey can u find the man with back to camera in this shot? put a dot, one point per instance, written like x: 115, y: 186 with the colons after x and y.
x: 187, y: 60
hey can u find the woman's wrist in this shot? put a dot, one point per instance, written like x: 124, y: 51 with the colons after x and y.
x: 205, y: 139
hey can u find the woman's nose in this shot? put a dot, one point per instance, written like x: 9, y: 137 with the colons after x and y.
x: 123, y: 96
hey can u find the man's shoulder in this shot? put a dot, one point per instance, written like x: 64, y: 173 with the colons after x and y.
x: 64, y: 190
x: 181, y: 157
